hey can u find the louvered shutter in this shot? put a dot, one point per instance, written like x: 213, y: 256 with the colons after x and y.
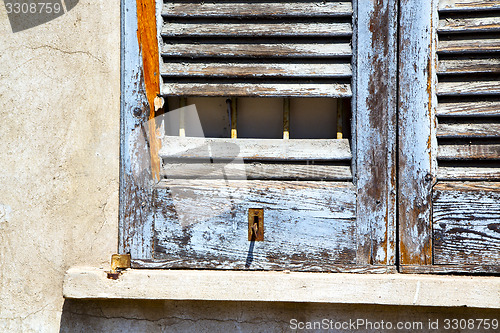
x: 459, y: 190
x: 256, y: 48
x: 328, y: 204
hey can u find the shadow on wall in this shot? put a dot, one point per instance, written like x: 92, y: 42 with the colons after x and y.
x: 214, y: 316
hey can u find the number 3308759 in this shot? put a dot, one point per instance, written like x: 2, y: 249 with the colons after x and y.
x: 33, y: 8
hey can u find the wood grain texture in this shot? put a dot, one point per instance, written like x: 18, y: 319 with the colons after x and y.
x: 469, y: 152
x: 450, y: 269
x: 471, y: 45
x: 469, y: 24
x: 228, y: 68
x: 466, y: 219
x: 375, y: 106
x: 257, y: 50
x: 264, y: 89
x: 417, y: 143
x: 135, y: 211
x: 256, y: 171
x: 255, y: 9
x: 174, y: 147
x: 469, y: 130
x: 468, y: 88
x: 477, y: 108
x: 468, y: 5
x: 469, y: 66
x: 256, y: 29
x: 203, y: 224
x: 468, y: 173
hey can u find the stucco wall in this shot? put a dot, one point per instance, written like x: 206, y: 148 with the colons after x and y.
x: 59, y: 162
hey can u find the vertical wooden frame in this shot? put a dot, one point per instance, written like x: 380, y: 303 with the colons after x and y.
x: 374, y: 130
x: 416, y: 129
x: 138, y: 91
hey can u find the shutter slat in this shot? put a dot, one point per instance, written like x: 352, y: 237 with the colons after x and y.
x: 472, y: 130
x: 469, y: 152
x: 257, y: 30
x: 257, y: 171
x: 254, y: 149
x: 467, y: 109
x: 463, y: 46
x: 468, y: 88
x: 249, y: 9
x: 266, y: 50
x: 229, y: 69
x: 468, y: 173
x: 469, y: 25
x: 469, y: 66
x: 468, y: 5
x: 305, y: 89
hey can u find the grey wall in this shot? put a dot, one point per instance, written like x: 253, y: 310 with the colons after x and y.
x: 59, y: 162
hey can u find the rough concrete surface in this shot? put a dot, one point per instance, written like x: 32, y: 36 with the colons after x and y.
x: 59, y: 157
x: 59, y: 162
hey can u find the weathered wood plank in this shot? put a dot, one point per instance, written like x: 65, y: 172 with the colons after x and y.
x: 468, y: 5
x: 469, y: 130
x: 417, y: 142
x: 468, y: 88
x: 136, y: 179
x: 253, y: 69
x: 450, y: 269
x: 204, y: 224
x: 264, y: 50
x: 469, y: 24
x: 464, y: 46
x: 469, y: 152
x: 256, y: 171
x: 175, y: 147
x: 305, y: 89
x: 479, y: 108
x: 468, y: 173
x: 256, y: 9
x: 469, y: 66
x: 466, y: 223
x: 330, y: 268
x: 375, y: 105
x: 256, y: 30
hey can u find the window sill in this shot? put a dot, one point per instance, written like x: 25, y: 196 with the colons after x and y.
x: 384, y: 289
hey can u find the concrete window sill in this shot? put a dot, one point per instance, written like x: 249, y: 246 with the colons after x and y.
x: 385, y: 289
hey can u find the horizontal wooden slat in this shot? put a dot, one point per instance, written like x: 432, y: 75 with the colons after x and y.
x: 466, y: 224
x: 256, y: 171
x: 255, y: 149
x: 468, y: 5
x: 468, y: 88
x: 468, y: 173
x: 475, y: 108
x: 469, y: 24
x: 204, y: 224
x: 468, y: 152
x: 469, y: 130
x: 256, y: 29
x: 297, y: 50
x: 231, y: 69
x: 251, y: 9
x: 461, y: 46
x: 336, y: 90
x: 469, y: 66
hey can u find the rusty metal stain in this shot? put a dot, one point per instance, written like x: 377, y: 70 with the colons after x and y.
x: 256, y: 224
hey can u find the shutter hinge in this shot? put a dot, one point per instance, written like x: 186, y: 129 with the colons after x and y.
x: 119, y: 262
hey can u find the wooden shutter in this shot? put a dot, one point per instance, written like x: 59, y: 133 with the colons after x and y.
x: 456, y: 214
x: 337, y: 221
x: 256, y: 48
